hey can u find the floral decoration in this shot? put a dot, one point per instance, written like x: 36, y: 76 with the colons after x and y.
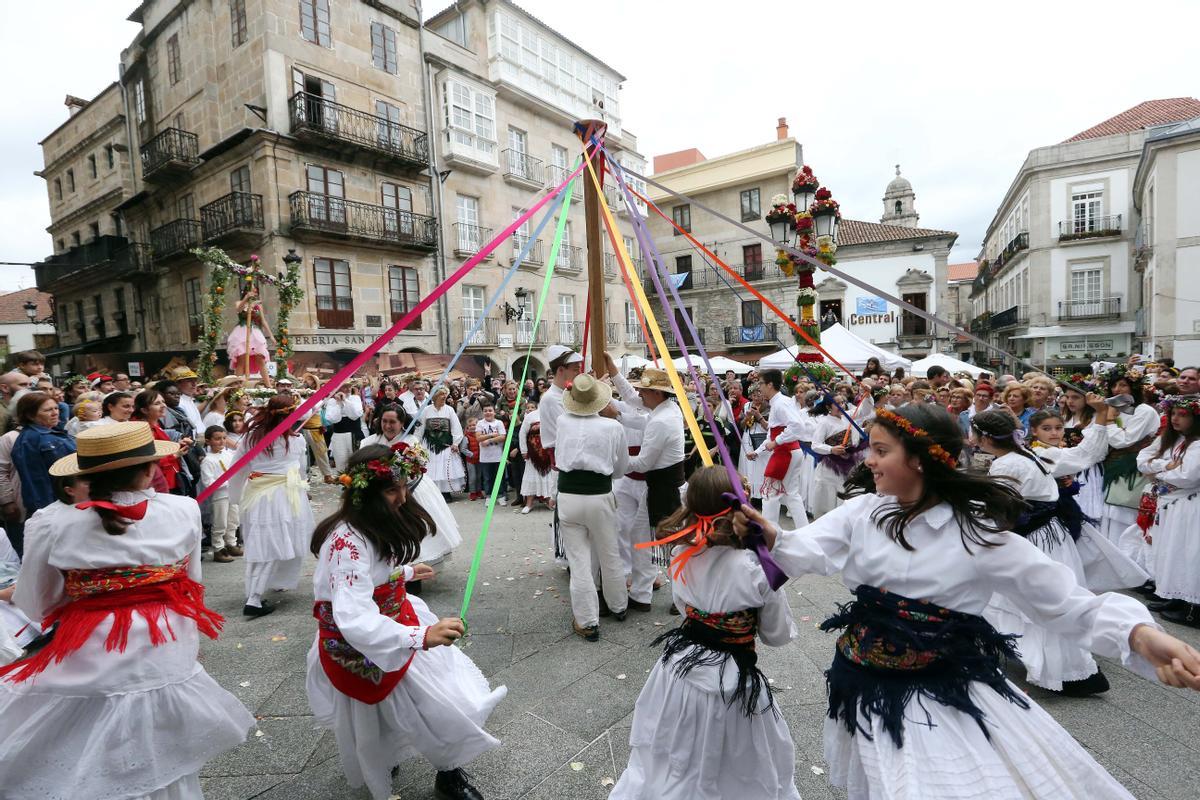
x: 406, y: 464
x: 820, y: 373
x: 824, y: 204
x: 804, y: 180
x: 807, y: 296
x: 782, y: 212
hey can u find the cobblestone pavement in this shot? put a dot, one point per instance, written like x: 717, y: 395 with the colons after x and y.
x: 565, y: 723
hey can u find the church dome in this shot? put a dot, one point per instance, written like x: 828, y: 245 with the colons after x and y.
x: 899, y: 185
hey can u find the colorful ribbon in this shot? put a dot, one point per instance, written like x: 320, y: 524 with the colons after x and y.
x: 702, y: 527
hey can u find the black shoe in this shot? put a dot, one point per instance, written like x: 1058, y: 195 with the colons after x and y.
x: 413, y: 587
x: 605, y: 611
x: 453, y: 785
x: 1149, y: 587
x: 673, y: 610
x: 1188, y: 615
x: 591, y: 634
x: 1163, y: 605
x: 1093, y: 684
x: 619, y: 616
x: 638, y: 606
x: 258, y: 611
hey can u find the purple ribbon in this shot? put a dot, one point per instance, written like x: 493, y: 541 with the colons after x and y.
x: 775, y: 575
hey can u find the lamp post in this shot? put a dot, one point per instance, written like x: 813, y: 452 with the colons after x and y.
x: 31, y: 310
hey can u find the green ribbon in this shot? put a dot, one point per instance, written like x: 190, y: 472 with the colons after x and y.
x: 476, y: 561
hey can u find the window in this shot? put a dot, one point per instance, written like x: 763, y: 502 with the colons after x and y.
x: 899, y: 208
x: 319, y: 95
x: 98, y: 321
x: 239, y: 179
x: 1085, y: 211
x: 173, y: 59
x: 139, y: 100
x: 383, y: 48
x: 751, y: 313
x: 469, y: 234
x: 95, y: 229
x: 683, y: 266
x: 633, y: 330
x: 326, y: 195
x: 186, y: 207
x: 454, y: 29
x: 122, y: 322
x: 92, y: 164
x: 397, y: 216
x: 80, y: 321
x: 558, y: 163
x: 1087, y: 283
x: 64, y: 317
x: 404, y: 293
x: 75, y: 239
x: 335, y: 305
x: 62, y: 245
x: 58, y: 188
x: 237, y: 22
x: 910, y: 323
x: 195, y: 317
x: 517, y: 144
x: 470, y: 116
x: 314, y: 21
x: 566, y: 319
x: 70, y: 180
x: 683, y: 217
x: 752, y: 262
x: 751, y: 206
x: 390, y: 133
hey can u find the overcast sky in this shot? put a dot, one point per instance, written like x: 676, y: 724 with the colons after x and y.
x: 957, y: 96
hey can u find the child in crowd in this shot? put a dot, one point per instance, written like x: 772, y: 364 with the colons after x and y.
x: 490, y: 434
x: 539, y: 480
x: 382, y: 672
x: 705, y: 724
x: 470, y: 454
x: 87, y: 413
x: 218, y: 459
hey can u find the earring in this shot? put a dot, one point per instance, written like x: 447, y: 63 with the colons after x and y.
x: 920, y: 468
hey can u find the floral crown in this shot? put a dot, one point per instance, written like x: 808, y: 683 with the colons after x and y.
x: 405, y: 464
x: 936, y: 451
x: 1110, y: 376
x: 1188, y: 402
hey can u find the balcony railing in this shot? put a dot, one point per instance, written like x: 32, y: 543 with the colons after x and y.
x: 527, y: 334
x: 1143, y: 247
x: 1090, y: 309
x: 523, y: 168
x: 556, y: 174
x: 108, y: 258
x: 750, y: 335
x: 323, y: 214
x: 470, y: 239
x: 633, y: 334
x: 236, y: 212
x: 1009, y: 318
x: 170, y: 152
x: 568, y: 333
x: 1089, y: 228
x: 570, y: 258
x: 1019, y: 243
x: 612, y: 332
x: 175, y: 237
x: 314, y: 115
x: 534, y: 256
x: 484, y: 337
x: 611, y: 270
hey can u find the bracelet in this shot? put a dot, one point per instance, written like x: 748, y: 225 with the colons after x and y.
x: 425, y: 640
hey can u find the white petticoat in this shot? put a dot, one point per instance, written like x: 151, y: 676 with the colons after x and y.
x: 274, y: 531
x: 437, y: 711
x: 1105, y: 567
x: 447, y: 537
x: 535, y: 484
x: 1115, y: 520
x: 687, y: 743
x: 1091, y: 493
x: 1133, y: 544
x: 1176, y: 548
x: 446, y: 470
x: 823, y: 494
x: 1049, y: 658
x: 1029, y: 757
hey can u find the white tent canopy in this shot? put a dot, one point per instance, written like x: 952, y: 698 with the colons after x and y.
x: 851, y: 351
x: 720, y: 363
x: 951, y: 364
x: 630, y: 361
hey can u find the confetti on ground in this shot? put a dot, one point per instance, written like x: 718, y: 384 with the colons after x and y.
x: 817, y: 771
x: 244, y: 684
x: 259, y: 734
x: 239, y: 645
x: 577, y: 765
x: 607, y: 782
x: 278, y: 638
x: 805, y: 619
x: 621, y: 677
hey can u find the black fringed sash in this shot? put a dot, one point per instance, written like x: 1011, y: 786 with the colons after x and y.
x: 895, y: 648
x: 1034, y: 523
x: 710, y: 639
x: 1069, y: 512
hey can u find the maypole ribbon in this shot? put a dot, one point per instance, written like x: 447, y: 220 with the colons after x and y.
x: 672, y: 373
x: 477, y: 559
x: 345, y: 373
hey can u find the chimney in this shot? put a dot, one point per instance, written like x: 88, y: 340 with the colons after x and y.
x: 781, y: 130
x: 75, y: 104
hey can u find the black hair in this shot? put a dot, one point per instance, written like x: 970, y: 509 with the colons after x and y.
x: 63, y: 482
x: 111, y: 400
x: 103, y: 484
x: 936, y: 371
x: 1001, y: 427
x: 1170, y: 437
x: 401, y: 414
x: 1041, y: 416
x: 1135, y: 387
x: 211, y: 431
x: 981, y: 505
x: 773, y: 377
x: 395, y: 534
x: 162, y: 386
x: 1087, y: 413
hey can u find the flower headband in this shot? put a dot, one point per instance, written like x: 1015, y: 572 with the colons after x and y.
x: 405, y: 464
x: 1188, y: 402
x: 936, y: 451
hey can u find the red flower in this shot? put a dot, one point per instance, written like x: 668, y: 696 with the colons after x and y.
x: 399, y: 447
x: 804, y: 223
x: 823, y: 194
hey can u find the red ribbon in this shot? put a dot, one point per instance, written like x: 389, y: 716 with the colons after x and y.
x: 134, y: 512
x: 702, y: 527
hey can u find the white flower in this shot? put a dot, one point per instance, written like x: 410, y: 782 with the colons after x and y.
x: 779, y: 200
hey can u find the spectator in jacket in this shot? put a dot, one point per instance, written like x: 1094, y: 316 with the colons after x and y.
x: 38, y: 446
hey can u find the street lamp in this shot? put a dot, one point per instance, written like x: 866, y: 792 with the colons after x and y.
x: 31, y: 310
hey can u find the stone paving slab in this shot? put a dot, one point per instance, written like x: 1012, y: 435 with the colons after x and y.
x: 565, y: 724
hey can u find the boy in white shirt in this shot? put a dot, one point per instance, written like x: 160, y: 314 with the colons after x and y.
x: 224, y: 518
x: 490, y: 433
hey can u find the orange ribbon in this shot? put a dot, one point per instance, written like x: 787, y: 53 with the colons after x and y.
x: 703, y: 526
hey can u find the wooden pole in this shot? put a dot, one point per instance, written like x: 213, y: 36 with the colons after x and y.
x: 586, y: 129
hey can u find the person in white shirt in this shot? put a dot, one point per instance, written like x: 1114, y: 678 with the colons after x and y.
x: 564, y: 364
x: 591, y: 450
x: 186, y: 379
x: 224, y: 516
x: 490, y: 433
x: 781, y: 484
x: 633, y: 523
x: 343, y: 412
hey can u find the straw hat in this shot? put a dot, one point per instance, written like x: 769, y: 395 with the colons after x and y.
x: 109, y: 447
x: 653, y: 378
x: 184, y: 374
x: 587, y: 395
x: 233, y: 381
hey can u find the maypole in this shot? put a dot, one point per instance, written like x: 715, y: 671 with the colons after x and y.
x: 591, y: 133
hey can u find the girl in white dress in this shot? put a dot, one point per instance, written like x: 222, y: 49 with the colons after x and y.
x: 1128, y: 434
x: 919, y: 704
x: 1079, y: 420
x: 271, y: 493
x: 751, y: 463
x: 116, y: 705
x: 839, y: 454
x: 391, y: 422
x: 1170, y: 516
x: 705, y: 726
x: 442, y: 432
x: 382, y: 674
x: 539, y: 481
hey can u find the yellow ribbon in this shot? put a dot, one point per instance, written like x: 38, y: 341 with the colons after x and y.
x: 270, y: 483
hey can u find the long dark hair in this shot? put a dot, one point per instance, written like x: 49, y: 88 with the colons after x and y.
x: 142, y: 401
x: 1170, y: 437
x: 1001, y: 427
x: 1087, y: 413
x: 1135, y: 387
x: 266, y: 418
x: 101, y: 487
x: 981, y: 506
x: 395, y: 535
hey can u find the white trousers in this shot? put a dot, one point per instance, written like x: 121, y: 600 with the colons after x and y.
x: 793, y: 493
x: 341, y: 446
x: 633, y: 526
x: 224, y: 523
x: 587, y: 524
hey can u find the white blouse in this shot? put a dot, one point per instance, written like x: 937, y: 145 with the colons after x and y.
x: 275, y: 460
x: 1029, y: 481
x: 1143, y: 422
x: 1184, y: 476
x: 829, y: 425
x: 1081, y: 457
x: 446, y: 412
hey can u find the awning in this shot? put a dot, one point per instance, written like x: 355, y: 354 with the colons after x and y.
x: 1056, y: 331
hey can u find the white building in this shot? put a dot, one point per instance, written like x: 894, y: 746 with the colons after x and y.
x: 17, y: 330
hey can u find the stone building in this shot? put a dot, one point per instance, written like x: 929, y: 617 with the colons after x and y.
x: 1057, y: 281
x: 956, y: 309
x: 508, y: 90
x: 894, y: 255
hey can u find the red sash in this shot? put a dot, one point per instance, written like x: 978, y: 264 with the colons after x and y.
x: 781, y: 456
x: 119, y: 592
x: 350, y: 672
x: 636, y: 476
x: 553, y: 462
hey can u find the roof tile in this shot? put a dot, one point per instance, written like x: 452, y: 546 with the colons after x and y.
x: 962, y: 272
x: 12, y: 306
x: 1143, y: 115
x: 854, y: 231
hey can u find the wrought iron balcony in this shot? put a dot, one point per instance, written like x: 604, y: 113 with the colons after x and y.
x: 1009, y: 318
x: 322, y: 216
x: 534, y: 257
x: 237, y: 213
x: 981, y: 324
x: 484, y: 337
x: 612, y: 332
x: 527, y: 334
x: 1143, y: 247
x: 470, y: 239
x: 339, y: 126
x: 175, y: 238
x: 611, y: 270
x: 1089, y: 228
x: 633, y: 334
x: 752, y: 335
x: 570, y: 258
x: 1019, y: 243
x: 556, y: 174
x: 1099, y: 308
x: 107, y: 258
x: 169, y: 154
x: 523, y: 169
x: 568, y: 333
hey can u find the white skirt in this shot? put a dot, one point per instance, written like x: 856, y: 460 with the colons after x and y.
x: 1105, y: 567
x: 1133, y: 544
x: 446, y: 470
x: 436, y: 711
x: 823, y: 496
x: 435, y: 548
x: 1176, y: 547
x: 1049, y: 658
x: 687, y: 743
x: 1029, y: 757
x: 535, y: 484
x: 1091, y: 493
x: 753, y: 470
x: 274, y: 531
x: 1115, y: 520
